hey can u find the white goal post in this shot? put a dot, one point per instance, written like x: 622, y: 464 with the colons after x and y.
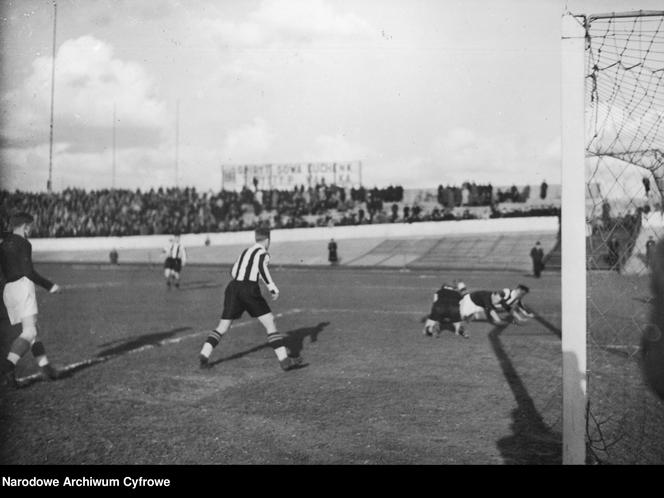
x: 573, y: 240
x: 612, y: 137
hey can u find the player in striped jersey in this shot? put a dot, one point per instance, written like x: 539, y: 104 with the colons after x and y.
x: 510, y: 301
x: 243, y: 294
x: 20, y: 299
x: 176, y: 258
x: 488, y: 305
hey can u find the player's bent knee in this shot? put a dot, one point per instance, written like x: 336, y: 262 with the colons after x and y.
x: 29, y: 328
x: 29, y: 334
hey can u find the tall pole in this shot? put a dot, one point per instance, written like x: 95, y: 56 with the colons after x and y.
x: 573, y: 239
x: 114, y: 121
x: 177, y: 141
x: 49, y: 183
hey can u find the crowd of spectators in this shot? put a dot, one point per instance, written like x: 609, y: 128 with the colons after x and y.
x: 80, y: 213
x: 471, y: 194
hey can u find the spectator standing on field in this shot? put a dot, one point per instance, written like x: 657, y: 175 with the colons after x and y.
x: 537, y: 255
x: 650, y: 246
x: 646, y: 186
x: 333, y: 258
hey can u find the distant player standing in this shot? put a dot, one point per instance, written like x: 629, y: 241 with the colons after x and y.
x: 243, y: 294
x: 176, y: 258
x: 20, y: 299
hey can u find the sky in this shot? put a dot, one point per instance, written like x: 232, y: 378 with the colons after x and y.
x: 422, y: 92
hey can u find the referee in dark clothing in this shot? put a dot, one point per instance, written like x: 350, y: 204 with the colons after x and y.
x: 243, y: 293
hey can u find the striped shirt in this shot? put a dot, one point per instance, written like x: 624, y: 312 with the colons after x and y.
x: 251, y: 265
x: 177, y: 251
x: 508, y: 300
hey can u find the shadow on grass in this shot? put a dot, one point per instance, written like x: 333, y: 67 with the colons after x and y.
x: 199, y: 285
x: 532, y: 441
x: 126, y: 345
x: 122, y: 346
x: 293, y: 339
x: 549, y: 325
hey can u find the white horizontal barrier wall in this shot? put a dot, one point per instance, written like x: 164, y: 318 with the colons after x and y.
x: 385, y: 231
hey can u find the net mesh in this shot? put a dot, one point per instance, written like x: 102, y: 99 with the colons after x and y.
x: 625, y: 182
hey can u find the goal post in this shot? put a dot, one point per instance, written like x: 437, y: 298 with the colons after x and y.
x: 612, y: 137
x: 573, y: 238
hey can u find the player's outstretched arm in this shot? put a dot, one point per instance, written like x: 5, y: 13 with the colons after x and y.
x: 495, y: 318
x: 521, y: 308
x: 42, y: 281
x: 518, y: 318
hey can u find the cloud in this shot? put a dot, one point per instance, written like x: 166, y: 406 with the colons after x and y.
x: 89, y: 82
x: 465, y: 155
x: 277, y: 35
x: 337, y: 148
x: 249, y: 142
x: 283, y: 22
x: 135, y: 167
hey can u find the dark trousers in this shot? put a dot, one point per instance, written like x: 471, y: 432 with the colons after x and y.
x: 537, y: 268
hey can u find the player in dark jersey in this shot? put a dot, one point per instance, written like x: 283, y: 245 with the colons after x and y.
x: 445, y: 309
x: 243, y: 294
x: 19, y: 297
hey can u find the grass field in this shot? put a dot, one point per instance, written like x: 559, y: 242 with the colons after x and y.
x: 626, y: 423
x: 374, y: 390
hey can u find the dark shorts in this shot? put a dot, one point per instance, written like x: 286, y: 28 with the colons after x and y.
x: 243, y: 296
x: 174, y: 264
x: 446, y: 308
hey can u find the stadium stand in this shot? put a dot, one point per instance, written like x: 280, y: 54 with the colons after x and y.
x: 79, y: 213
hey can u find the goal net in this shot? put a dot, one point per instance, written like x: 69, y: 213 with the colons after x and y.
x: 624, y: 170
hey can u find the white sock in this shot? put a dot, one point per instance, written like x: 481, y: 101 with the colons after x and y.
x: 13, y: 357
x: 281, y: 352
x: 207, y: 350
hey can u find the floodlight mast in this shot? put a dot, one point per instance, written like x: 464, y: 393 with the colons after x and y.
x: 49, y: 184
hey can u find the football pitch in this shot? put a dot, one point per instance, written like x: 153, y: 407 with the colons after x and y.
x: 373, y: 389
